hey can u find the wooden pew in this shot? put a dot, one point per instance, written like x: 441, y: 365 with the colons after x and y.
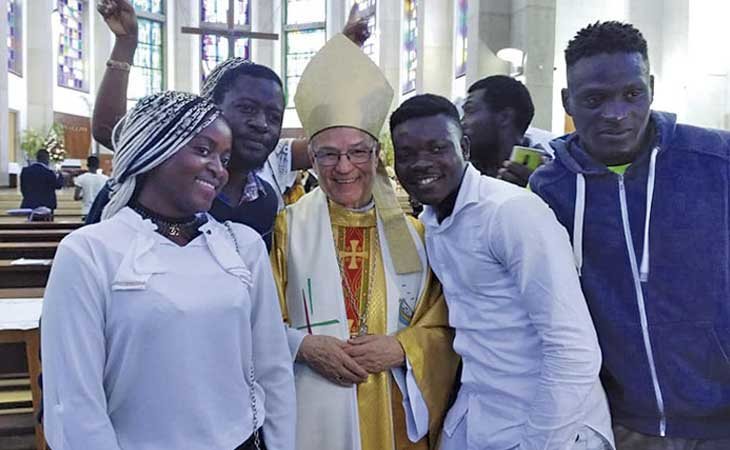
x: 26, y: 292
x: 20, y: 395
x: 31, y: 250
x: 62, y: 213
x: 55, y: 225
x: 23, y: 276
x: 33, y: 235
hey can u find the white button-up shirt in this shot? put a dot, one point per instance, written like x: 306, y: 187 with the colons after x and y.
x: 530, y: 352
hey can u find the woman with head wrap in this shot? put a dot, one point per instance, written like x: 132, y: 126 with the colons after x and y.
x: 251, y: 97
x: 159, y: 330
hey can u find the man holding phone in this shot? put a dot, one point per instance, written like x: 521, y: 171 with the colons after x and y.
x: 497, y: 116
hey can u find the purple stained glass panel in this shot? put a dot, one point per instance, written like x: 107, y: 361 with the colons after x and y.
x: 214, y: 49
x: 71, y: 45
x: 13, y: 39
x: 410, y: 44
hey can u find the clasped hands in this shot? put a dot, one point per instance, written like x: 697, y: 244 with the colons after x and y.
x: 350, y: 362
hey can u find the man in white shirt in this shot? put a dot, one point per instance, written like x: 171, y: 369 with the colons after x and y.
x: 529, y: 350
x: 283, y: 164
x: 89, y: 184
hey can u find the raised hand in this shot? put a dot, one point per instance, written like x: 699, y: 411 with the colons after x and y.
x: 356, y: 28
x: 119, y: 15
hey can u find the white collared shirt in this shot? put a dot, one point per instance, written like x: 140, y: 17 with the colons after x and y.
x: 530, y: 353
x: 147, y: 345
x: 277, y: 170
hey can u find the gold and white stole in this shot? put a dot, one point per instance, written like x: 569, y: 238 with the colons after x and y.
x: 327, y: 414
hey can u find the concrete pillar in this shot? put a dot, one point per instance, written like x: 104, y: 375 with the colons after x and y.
x: 266, y: 18
x: 435, y: 62
x: 183, y: 50
x: 41, y: 73
x: 389, y: 16
x: 101, y: 44
x: 489, y: 31
x: 4, y: 138
x: 337, y: 11
x: 533, y: 31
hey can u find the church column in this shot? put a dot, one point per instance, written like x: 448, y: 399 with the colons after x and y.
x: 4, y: 138
x: 266, y: 18
x: 181, y: 47
x: 488, y: 31
x: 436, y: 67
x: 101, y: 45
x: 390, y: 42
x: 533, y: 31
x: 337, y: 11
x: 41, y: 73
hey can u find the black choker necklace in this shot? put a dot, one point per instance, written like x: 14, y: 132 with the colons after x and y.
x: 186, y: 227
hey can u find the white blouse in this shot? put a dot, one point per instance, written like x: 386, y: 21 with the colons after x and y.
x: 148, y: 345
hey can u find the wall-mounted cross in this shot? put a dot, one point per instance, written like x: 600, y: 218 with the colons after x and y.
x: 230, y: 31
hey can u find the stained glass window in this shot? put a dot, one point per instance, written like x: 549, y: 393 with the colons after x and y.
x: 72, y: 45
x: 410, y: 44
x: 148, y: 74
x: 370, y: 47
x: 149, y: 6
x: 305, y: 34
x: 14, y: 37
x: 214, y: 14
x: 460, y: 46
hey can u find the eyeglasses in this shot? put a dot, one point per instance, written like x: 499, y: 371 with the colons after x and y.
x: 327, y: 158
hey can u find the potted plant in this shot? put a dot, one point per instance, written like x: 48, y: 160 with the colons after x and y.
x: 30, y: 142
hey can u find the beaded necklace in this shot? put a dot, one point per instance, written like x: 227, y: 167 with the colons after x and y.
x: 186, y: 227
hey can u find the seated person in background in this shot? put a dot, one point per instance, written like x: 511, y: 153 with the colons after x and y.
x: 497, y: 116
x: 529, y: 350
x: 38, y: 183
x: 89, y: 184
x: 160, y: 329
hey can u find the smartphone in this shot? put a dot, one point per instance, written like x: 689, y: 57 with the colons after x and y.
x: 526, y: 156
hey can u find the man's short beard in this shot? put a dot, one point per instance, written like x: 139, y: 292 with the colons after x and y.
x: 244, y: 164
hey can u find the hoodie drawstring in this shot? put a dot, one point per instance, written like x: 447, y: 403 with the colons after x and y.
x: 644, y: 268
x: 579, y: 214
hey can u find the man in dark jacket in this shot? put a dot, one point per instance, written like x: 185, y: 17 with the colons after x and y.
x: 497, y: 114
x: 38, y: 183
x: 647, y: 204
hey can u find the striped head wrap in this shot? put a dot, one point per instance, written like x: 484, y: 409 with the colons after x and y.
x: 211, y: 82
x: 152, y: 132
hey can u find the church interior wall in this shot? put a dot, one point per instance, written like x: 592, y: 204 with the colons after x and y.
x: 17, y: 97
x: 709, y: 64
x: 689, y: 62
x: 571, y: 16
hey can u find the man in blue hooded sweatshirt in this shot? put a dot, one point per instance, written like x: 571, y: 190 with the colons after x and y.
x: 646, y: 202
